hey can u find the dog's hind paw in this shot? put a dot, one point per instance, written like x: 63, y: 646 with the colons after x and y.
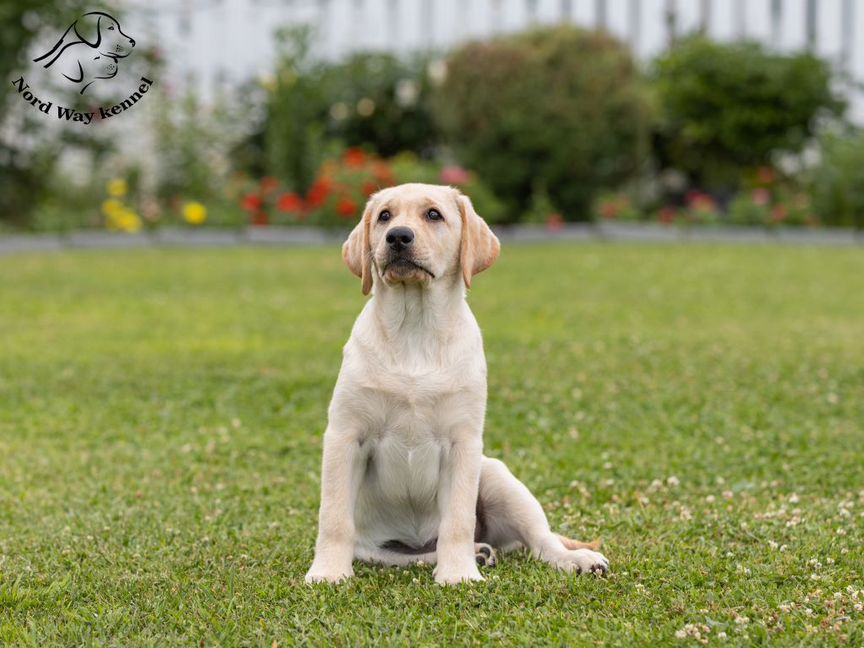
x: 484, y: 554
x: 582, y: 561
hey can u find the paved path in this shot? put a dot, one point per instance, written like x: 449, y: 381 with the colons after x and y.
x: 305, y: 236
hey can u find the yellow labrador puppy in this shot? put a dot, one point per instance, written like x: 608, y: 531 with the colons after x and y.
x: 404, y: 478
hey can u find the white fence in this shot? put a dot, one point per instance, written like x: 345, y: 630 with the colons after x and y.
x: 211, y: 43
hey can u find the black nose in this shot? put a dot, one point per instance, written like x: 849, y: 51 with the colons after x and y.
x: 399, y: 238
x: 132, y: 42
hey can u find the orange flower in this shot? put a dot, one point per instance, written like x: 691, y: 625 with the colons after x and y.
x: 269, y: 184
x: 354, y: 157
x: 666, y: 215
x: 346, y: 207
x: 779, y: 213
x: 318, y: 192
x: 252, y: 202
x: 765, y: 175
x: 609, y: 209
x: 290, y: 203
x: 555, y: 223
x: 383, y: 174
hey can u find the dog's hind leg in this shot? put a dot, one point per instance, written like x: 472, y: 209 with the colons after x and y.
x: 484, y: 554
x: 509, y: 516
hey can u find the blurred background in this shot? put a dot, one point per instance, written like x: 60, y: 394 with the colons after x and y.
x: 290, y: 112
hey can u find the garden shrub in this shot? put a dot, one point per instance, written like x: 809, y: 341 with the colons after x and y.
x: 342, y: 186
x: 837, y: 187
x: 315, y: 109
x: 292, y: 137
x: 379, y: 102
x: 728, y: 107
x: 560, y: 108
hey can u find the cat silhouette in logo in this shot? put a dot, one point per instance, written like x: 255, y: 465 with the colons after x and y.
x: 89, y: 50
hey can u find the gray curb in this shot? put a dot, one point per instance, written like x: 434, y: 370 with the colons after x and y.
x: 310, y: 236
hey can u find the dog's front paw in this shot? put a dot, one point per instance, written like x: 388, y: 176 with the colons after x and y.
x: 454, y: 576
x: 327, y: 577
x: 583, y: 561
x: 327, y: 574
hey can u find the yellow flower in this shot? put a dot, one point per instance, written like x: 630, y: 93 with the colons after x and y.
x: 194, y: 213
x: 129, y: 221
x: 117, y: 188
x: 119, y: 217
x: 111, y: 207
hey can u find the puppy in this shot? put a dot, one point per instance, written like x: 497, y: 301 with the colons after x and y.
x: 88, y: 50
x: 404, y: 478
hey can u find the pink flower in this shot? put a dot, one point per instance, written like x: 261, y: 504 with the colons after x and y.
x: 779, y: 213
x: 701, y: 201
x: 761, y: 197
x: 455, y: 175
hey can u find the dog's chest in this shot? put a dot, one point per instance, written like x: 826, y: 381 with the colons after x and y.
x: 406, y: 473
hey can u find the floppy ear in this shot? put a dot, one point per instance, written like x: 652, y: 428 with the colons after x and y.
x: 480, y: 247
x: 356, y: 250
x: 87, y: 28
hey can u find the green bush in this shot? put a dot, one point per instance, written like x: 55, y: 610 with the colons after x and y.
x: 315, y: 109
x: 379, y: 102
x: 291, y: 141
x: 728, y: 107
x: 560, y: 108
x: 837, y: 188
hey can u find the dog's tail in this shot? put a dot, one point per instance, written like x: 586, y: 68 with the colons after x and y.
x: 576, y: 544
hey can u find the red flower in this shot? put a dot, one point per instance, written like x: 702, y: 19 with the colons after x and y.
x: 269, y: 184
x: 260, y: 218
x: 455, y: 175
x: 290, y: 203
x: 346, y: 207
x: 354, y: 157
x: 369, y: 188
x: 609, y: 209
x: 666, y: 215
x: 252, y: 202
x: 318, y: 192
x: 765, y: 175
x: 554, y: 223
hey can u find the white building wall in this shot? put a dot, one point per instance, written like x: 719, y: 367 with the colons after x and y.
x: 209, y: 43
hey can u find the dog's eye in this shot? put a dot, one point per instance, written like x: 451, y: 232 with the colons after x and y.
x: 434, y: 215
x: 384, y: 216
x: 111, y: 28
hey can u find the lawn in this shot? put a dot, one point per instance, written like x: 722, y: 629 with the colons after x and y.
x: 700, y: 408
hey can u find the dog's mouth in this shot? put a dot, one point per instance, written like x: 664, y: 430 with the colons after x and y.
x: 403, y: 266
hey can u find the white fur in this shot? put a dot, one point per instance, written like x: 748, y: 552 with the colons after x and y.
x: 403, y: 446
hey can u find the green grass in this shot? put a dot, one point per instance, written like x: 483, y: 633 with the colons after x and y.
x: 700, y: 408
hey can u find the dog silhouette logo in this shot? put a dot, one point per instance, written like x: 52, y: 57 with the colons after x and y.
x: 89, y: 50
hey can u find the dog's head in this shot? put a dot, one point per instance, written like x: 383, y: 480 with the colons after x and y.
x: 102, y: 31
x: 419, y: 234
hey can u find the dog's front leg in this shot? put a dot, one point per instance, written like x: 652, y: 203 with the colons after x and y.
x: 340, y: 474
x: 457, y: 503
